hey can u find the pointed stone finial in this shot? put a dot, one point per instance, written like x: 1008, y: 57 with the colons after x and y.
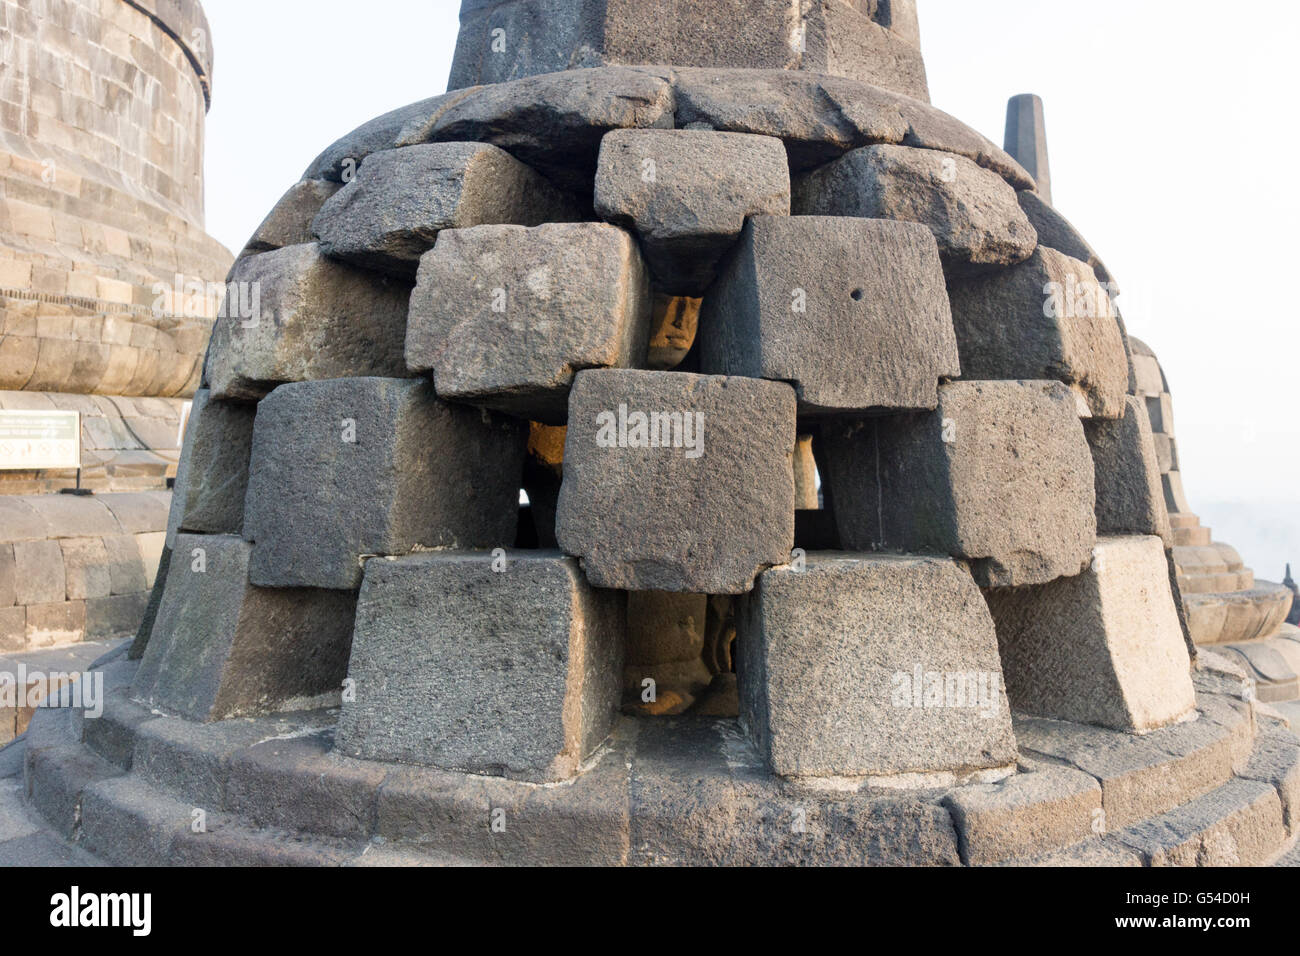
x: 876, y: 41
x: 1288, y: 580
x: 1026, y: 140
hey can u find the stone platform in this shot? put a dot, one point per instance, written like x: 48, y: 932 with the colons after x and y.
x: 138, y: 787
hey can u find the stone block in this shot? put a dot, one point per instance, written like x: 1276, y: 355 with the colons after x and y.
x: 972, y: 212
x: 118, y: 615
x: 1056, y: 232
x: 39, y: 572
x: 13, y: 628
x: 825, y: 37
x: 50, y: 625
x: 391, y: 212
x: 1126, y: 471
x: 1103, y: 647
x: 86, y: 568
x: 125, y: 568
x: 852, y: 312
x: 515, y: 669
x: 8, y: 582
x: 212, y: 476
x: 353, y: 467
x: 1026, y: 814
x: 1048, y: 317
x: 222, y: 648
x: 687, y: 193
x: 310, y: 318
x: 872, y: 665
x: 677, y: 482
x: 289, y: 223
x: 504, y: 316
x: 998, y: 475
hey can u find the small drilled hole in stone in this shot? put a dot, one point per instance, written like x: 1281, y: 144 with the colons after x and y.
x: 856, y: 295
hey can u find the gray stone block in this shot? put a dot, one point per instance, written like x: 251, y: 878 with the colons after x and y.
x: 86, y: 568
x: 1026, y: 814
x: 212, y: 476
x: 39, y: 572
x: 516, y: 670
x: 1048, y: 317
x: 504, y: 316
x: 872, y: 665
x: 391, y: 212
x: 504, y: 41
x: 315, y: 319
x: 1103, y: 647
x: 289, y: 222
x: 852, y: 312
x: 222, y: 648
x: 998, y: 475
x: 677, y: 482
x: 555, y: 123
x: 687, y: 193
x: 8, y: 583
x: 1126, y: 472
x: 972, y: 212
x: 354, y: 467
x: 118, y: 615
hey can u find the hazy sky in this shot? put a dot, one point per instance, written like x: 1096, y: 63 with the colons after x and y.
x: 1174, y: 149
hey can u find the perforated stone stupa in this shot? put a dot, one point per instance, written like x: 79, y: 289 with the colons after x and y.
x: 844, y: 541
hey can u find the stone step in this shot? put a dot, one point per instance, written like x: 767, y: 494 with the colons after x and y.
x: 1183, y: 519
x: 1191, y: 536
x: 1225, y: 582
x: 1247, y: 821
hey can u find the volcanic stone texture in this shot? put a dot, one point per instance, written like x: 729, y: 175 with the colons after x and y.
x: 824, y: 36
x: 998, y: 475
x: 212, y: 477
x: 400, y: 199
x: 371, y: 466
x: 222, y: 648
x: 289, y: 223
x: 316, y: 318
x: 687, y: 193
x: 510, y: 672
x: 833, y: 663
x: 1048, y: 317
x: 1130, y: 498
x: 701, y: 508
x: 1103, y: 647
x: 852, y: 312
x: 505, y: 315
x: 972, y: 212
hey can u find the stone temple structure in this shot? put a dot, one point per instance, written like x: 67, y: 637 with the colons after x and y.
x: 663, y: 274
x: 108, y: 288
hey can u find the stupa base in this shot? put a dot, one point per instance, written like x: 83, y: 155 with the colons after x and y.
x: 134, y: 787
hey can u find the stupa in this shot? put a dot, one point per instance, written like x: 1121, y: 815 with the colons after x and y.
x: 663, y: 273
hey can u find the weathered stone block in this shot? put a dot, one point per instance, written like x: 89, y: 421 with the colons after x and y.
x: 222, y: 648
x: 115, y: 616
x: 1103, y: 647
x: 289, y: 223
x: 391, y: 212
x: 677, y: 482
x: 852, y: 312
x: 825, y: 36
x: 513, y: 671
x: 212, y: 476
x: 354, y: 467
x: 8, y: 594
x: 39, y: 572
x: 305, y: 317
x: 86, y: 568
x: 506, y: 315
x: 1126, y: 471
x: 1048, y: 317
x: 687, y: 194
x: 972, y: 212
x: 998, y: 475
x: 872, y: 665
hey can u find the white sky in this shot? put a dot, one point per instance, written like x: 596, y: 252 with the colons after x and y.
x: 1174, y: 146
